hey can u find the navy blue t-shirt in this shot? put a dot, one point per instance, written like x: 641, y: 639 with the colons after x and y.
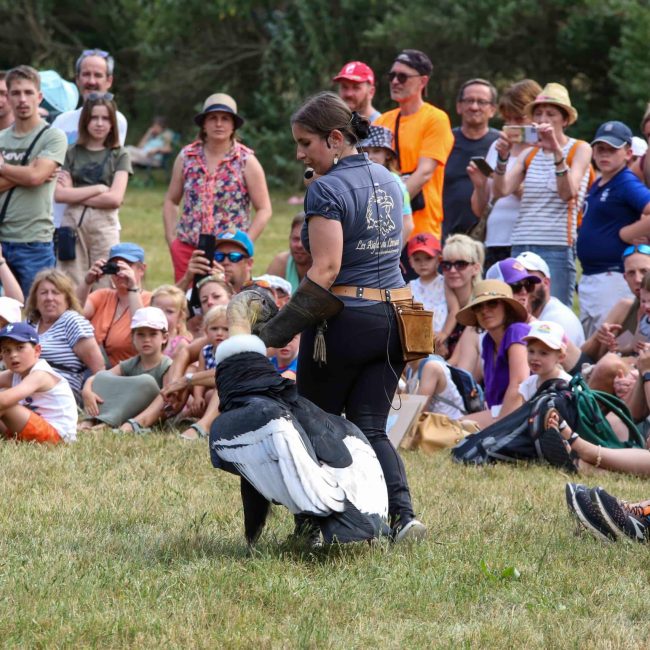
x: 608, y: 208
x: 371, y: 218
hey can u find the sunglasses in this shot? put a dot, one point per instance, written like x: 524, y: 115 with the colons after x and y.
x: 459, y: 265
x: 263, y: 284
x: 528, y: 285
x: 93, y: 97
x: 639, y: 248
x: 401, y: 76
x: 103, y: 53
x: 233, y: 257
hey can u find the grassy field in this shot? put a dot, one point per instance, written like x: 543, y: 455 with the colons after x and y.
x: 125, y: 541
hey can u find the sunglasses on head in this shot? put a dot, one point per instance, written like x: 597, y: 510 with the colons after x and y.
x: 528, y: 285
x: 401, y: 76
x: 459, y: 265
x: 93, y: 97
x: 263, y: 284
x: 233, y: 257
x: 639, y: 248
x: 103, y: 53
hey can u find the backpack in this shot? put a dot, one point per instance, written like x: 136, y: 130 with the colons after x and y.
x: 569, y: 160
x: 470, y: 392
x: 520, y: 435
x: 584, y: 409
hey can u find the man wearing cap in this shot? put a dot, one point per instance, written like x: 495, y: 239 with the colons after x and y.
x: 614, y: 213
x: 546, y: 307
x: 422, y: 138
x: 218, y: 180
x: 6, y: 114
x: 94, y: 74
x: 476, y: 105
x: 234, y: 251
x: 356, y: 82
x: 26, y: 190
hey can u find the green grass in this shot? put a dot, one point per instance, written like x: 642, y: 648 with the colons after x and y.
x: 127, y: 541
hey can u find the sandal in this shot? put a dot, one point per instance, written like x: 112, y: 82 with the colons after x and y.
x: 202, y: 433
x: 135, y: 425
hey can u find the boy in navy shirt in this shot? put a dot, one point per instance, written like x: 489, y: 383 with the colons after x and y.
x: 614, y: 216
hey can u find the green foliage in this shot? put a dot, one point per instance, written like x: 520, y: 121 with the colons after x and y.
x: 270, y: 54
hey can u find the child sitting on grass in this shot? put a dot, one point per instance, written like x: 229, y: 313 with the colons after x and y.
x: 546, y: 349
x: 215, y: 328
x: 36, y: 403
x: 173, y: 303
x: 117, y: 396
x: 429, y: 288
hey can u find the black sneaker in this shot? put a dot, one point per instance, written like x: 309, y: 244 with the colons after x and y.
x: 589, y: 517
x: 619, y: 518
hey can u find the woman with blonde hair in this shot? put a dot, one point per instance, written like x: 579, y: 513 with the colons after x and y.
x: 67, y: 338
x: 462, y: 267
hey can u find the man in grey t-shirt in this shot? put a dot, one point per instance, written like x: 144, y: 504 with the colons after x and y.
x: 476, y: 105
x: 26, y: 190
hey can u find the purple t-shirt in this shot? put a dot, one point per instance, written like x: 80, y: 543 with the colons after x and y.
x: 496, y: 373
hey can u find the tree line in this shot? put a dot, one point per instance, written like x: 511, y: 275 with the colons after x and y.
x: 171, y: 54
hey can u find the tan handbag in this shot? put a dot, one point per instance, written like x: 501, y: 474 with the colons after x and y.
x: 415, y: 329
x: 434, y: 432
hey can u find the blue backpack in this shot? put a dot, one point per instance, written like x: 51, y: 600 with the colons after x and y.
x: 470, y: 392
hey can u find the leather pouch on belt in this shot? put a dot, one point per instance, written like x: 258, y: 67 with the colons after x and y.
x: 415, y: 329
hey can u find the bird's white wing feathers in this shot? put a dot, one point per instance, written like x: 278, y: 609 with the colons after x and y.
x: 363, y: 482
x: 275, y: 461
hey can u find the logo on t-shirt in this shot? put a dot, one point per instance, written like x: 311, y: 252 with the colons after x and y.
x: 383, y: 222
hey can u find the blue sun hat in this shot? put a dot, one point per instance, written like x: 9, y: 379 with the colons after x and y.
x: 59, y: 94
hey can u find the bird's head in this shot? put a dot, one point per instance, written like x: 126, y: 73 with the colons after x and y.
x: 249, y: 309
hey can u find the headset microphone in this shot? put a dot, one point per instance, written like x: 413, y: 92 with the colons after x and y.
x: 309, y: 174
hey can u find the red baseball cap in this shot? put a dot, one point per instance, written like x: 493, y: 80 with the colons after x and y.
x: 424, y: 242
x: 356, y: 71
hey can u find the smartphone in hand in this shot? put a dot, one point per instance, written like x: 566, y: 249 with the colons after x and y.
x: 483, y: 165
x: 526, y: 134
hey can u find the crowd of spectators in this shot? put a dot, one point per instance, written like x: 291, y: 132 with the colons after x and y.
x: 493, y: 224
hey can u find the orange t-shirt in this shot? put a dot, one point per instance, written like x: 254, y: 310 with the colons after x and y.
x: 425, y: 134
x: 114, y: 337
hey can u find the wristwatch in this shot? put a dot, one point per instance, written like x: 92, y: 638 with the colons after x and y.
x: 645, y: 377
x: 188, y: 378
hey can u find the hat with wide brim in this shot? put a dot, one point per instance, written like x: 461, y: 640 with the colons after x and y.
x: 219, y: 102
x: 487, y: 290
x: 554, y: 95
x: 60, y: 94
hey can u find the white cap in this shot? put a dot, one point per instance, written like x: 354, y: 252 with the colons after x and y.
x: 533, y: 262
x: 276, y: 282
x: 639, y: 146
x: 149, y: 317
x: 549, y: 333
x: 10, y: 309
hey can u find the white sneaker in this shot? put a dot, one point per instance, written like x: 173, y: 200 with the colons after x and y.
x: 413, y: 530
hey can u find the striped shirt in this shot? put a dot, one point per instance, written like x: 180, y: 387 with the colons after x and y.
x: 57, y: 345
x: 544, y: 218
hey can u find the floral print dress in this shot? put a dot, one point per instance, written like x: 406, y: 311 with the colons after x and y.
x: 213, y: 203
